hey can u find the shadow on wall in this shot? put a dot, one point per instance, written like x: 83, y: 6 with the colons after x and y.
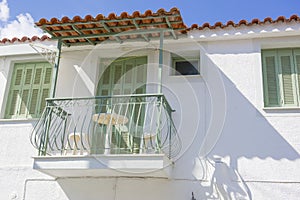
x: 226, y: 183
x: 246, y: 134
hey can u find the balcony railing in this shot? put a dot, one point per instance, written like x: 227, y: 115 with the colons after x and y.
x: 135, y: 124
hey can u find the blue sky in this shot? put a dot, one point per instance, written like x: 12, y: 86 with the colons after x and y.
x: 193, y: 11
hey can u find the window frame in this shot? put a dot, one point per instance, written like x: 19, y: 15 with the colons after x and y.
x: 278, y: 53
x: 177, y: 58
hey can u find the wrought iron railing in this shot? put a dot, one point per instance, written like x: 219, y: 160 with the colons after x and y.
x: 123, y: 124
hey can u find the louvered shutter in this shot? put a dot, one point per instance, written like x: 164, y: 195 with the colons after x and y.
x: 271, y: 90
x: 26, y: 90
x: 35, y: 90
x: 30, y: 85
x: 296, y: 55
x: 287, y: 78
x: 45, y: 86
x: 14, y: 99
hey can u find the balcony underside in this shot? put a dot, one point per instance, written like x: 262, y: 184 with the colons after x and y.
x: 118, y: 165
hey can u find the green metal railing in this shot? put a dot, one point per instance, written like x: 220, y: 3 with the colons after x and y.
x: 123, y: 124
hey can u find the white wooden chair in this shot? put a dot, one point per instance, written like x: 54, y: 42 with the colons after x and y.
x: 76, y: 143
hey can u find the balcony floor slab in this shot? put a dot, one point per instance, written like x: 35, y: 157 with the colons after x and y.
x: 116, y: 165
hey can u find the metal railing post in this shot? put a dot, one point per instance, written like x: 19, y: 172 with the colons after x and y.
x: 47, y: 123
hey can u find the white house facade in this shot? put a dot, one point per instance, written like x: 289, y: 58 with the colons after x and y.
x: 139, y: 106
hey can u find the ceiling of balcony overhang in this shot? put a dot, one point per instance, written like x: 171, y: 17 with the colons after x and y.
x: 94, y: 30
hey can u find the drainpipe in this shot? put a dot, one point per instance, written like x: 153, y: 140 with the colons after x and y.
x: 161, y: 42
x: 55, y: 70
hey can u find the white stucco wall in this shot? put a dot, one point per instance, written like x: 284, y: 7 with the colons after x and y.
x: 218, y: 114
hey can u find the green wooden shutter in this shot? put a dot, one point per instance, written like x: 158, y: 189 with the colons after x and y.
x: 270, y: 78
x: 35, y: 91
x: 45, y: 86
x: 287, y: 78
x: 15, y: 92
x: 30, y: 85
x: 296, y: 54
x: 26, y: 89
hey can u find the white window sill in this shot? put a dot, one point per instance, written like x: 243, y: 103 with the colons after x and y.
x: 281, y: 111
x: 185, y: 76
x: 281, y: 108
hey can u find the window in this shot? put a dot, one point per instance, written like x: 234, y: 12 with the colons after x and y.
x: 29, y: 87
x: 185, y: 66
x: 281, y: 77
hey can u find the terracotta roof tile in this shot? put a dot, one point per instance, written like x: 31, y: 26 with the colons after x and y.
x: 219, y: 24
x: 244, y: 22
x: 255, y: 21
x: 123, y: 15
x: 206, y: 25
x: 230, y: 23
x: 294, y: 17
x: 24, y: 39
x: 281, y: 18
x: 64, y: 28
x: 194, y: 26
x: 268, y: 19
x: 54, y: 21
x: 94, y: 30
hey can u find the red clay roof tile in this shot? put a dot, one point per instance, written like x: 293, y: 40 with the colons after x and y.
x: 24, y: 39
x: 65, y: 19
x: 230, y: 23
x: 244, y: 22
x: 281, y: 18
x: 255, y: 21
x: 294, y: 17
x: 124, y: 15
x: 219, y: 24
x: 63, y: 29
x: 112, y: 24
x: 268, y: 19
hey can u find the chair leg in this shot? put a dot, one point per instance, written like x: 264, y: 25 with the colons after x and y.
x: 74, y: 142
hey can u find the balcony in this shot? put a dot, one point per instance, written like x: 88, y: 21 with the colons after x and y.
x: 126, y: 135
